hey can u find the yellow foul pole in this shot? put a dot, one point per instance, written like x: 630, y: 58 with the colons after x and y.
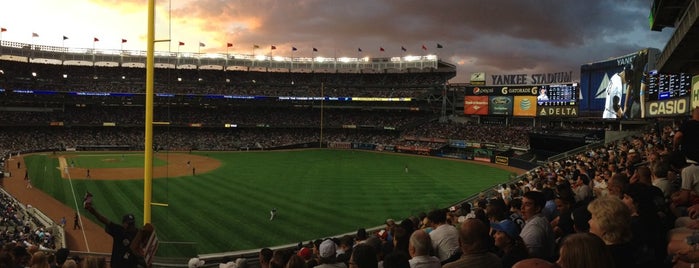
x: 148, y: 161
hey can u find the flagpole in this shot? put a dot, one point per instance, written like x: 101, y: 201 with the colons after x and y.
x: 33, y: 47
x: 227, y: 56
x: 271, y: 54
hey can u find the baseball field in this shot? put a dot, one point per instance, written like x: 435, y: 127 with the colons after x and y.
x: 221, y: 201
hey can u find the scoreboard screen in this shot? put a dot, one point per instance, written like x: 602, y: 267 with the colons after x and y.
x: 558, y: 95
x: 667, y: 86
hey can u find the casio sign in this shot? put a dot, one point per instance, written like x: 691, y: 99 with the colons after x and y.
x: 668, y: 107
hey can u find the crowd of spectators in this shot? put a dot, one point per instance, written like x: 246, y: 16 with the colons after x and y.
x: 20, y: 75
x: 17, y: 226
x: 511, y: 135
x: 628, y: 203
x: 263, y: 136
x: 217, y: 117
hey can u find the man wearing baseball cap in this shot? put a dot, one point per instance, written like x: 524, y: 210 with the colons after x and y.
x: 122, y: 234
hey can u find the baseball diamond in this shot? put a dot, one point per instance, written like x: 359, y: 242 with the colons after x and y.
x: 233, y: 191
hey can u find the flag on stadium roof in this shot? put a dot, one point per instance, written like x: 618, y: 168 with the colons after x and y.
x: 3, y: 29
x: 381, y: 49
x: 255, y: 46
x: 229, y: 44
x: 202, y: 44
x: 123, y: 40
x: 439, y: 46
x: 65, y: 37
x: 315, y: 49
x: 293, y: 49
x: 274, y: 47
x: 95, y: 39
x: 35, y: 35
x: 424, y: 47
x: 181, y: 43
x: 403, y: 48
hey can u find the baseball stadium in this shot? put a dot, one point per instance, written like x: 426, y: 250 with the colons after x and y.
x: 215, y: 159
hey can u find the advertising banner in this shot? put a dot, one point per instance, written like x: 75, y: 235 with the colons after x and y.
x: 501, y: 91
x: 483, y: 155
x: 476, y: 105
x: 500, y: 105
x: 524, y: 106
x: 553, y: 111
x: 668, y: 108
x: 502, y: 160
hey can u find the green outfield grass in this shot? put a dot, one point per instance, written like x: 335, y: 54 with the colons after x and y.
x: 317, y: 193
x: 110, y: 160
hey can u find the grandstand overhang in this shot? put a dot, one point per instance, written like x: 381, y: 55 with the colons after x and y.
x: 219, y: 61
x: 680, y: 53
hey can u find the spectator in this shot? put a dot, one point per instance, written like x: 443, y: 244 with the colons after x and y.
x: 363, y: 256
x: 265, y: 257
x: 534, y: 263
x: 401, y: 235
x: 419, y: 249
x: 508, y: 241
x: 475, y: 242
x: 537, y: 232
x: 295, y: 262
x: 610, y: 221
x: 445, y: 237
x: 648, y: 234
x: 584, y: 250
x: 39, y: 260
x: 326, y: 252
x: 122, y: 235
x: 396, y: 259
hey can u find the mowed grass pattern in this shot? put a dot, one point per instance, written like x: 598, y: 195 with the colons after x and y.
x: 317, y: 193
x: 111, y: 160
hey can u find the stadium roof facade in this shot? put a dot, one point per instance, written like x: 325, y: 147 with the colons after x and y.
x: 24, y: 52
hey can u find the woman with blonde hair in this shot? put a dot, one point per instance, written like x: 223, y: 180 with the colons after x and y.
x: 582, y: 250
x: 39, y: 260
x: 70, y: 264
x: 94, y: 262
x: 610, y: 221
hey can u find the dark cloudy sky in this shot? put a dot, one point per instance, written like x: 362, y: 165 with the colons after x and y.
x: 495, y: 36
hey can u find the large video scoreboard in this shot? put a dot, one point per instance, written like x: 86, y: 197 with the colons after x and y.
x: 667, y: 94
x: 667, y: 86
x: 557, y: 100
x: 558, y: 95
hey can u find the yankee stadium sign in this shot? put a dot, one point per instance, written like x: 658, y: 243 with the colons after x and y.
x: 531, y: 79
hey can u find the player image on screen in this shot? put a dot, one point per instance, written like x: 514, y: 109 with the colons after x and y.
x: 634, y: 101
x: 615, y: 87
x: 542, y: 95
